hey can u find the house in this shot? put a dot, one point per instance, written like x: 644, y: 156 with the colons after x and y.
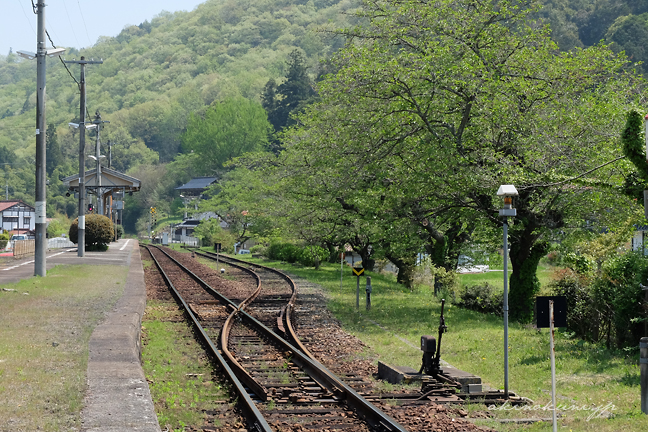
x: 17, y: 217
x: 639, y: 239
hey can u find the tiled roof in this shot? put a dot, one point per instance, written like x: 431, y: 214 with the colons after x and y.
x: 4, y: 205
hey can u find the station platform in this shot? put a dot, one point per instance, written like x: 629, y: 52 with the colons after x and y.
x: 117, y: 394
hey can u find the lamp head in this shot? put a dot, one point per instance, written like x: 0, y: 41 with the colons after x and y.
x: 507, y: 192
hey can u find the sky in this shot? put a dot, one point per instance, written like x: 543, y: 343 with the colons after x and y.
x: 77, y: 23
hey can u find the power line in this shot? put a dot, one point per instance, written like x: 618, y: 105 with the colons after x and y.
x: 84, y: 23
x: 26, y: 17
x: 71, y: 25
x: 64, y: 65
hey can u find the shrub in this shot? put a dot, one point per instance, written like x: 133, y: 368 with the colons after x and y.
x: 312, y: 256
x: 607, y: 306
x: 98, y: 232
x: 119, y: 231
x: 620, y: 298
x: 481, y: 298
x: 583, y: 318
x: 259, y: 249
x: 289, y: 253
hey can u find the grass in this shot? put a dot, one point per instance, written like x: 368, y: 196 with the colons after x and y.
x: 496, y: 278
x: 588, y: 375
x: 46, y: 324
x: 179, y: 373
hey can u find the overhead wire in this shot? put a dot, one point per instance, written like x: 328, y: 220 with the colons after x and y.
x: 26, y: 17
x: 71, y: 25
x: 84, y: 23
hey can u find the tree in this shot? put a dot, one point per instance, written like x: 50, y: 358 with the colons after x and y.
x: 229, y: 129
x: 290, y: 97
x: 435, y: 120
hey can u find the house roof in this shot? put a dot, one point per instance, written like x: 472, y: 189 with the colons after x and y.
x: 188, y: 223
x: 4, y: 205
x: 197, y: 184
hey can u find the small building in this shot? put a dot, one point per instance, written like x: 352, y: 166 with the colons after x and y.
x: 639, y: 240
x: 196, y: 186
x: 17, y: 217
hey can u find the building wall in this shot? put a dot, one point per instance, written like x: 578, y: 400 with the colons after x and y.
x: 19, y: 217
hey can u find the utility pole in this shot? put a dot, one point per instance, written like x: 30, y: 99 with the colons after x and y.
x: 110, y: 144
x: 82, y: 128
x: 98, y: 122
x: 40, y: 268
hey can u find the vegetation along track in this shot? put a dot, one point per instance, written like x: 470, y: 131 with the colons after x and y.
x: 280, y: 387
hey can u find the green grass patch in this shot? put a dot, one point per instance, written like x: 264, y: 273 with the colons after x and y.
x: 179, y: 372
x: 46, y: 324
x: 496, y: 278
x: 588, y: 375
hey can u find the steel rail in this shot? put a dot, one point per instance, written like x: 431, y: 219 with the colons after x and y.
x: 260, y: 424
x: 371, y: 414
x: 287, y: 312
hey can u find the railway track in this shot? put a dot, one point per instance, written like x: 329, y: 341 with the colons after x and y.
x: 280, y: 385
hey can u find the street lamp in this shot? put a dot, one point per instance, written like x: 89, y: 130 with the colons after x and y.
x: 508, y: 192
x: 40, y: 204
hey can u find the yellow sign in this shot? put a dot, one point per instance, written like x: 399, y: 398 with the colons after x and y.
x: 358, y: 271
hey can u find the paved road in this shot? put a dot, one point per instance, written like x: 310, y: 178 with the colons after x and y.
x: 14, y: 270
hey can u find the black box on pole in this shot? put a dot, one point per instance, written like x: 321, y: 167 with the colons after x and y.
x: 560, y: 311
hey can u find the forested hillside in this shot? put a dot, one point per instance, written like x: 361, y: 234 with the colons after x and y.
x: 153, y: 76
x: 156, y: 74
x: 583, y: 23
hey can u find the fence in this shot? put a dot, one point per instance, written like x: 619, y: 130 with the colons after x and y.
x: 23, y: 248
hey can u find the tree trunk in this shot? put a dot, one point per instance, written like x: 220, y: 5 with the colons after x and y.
x: 406, y: 267
x: 524, y: 284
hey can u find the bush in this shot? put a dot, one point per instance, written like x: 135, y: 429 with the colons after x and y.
x: 284, y: 252
x: 607, y: 306
x: 259, y: 249
x: 583, y: 318
x: 312, y: 256
x: 98, y: 232
x: 119, y: 231
x: 620, y: 298
x: 481, y: 298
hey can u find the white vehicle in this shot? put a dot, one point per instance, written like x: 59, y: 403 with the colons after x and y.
x: 13, y: 239
x: 244, y: 252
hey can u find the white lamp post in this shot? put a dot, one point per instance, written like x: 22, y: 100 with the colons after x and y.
x: 508, y: 192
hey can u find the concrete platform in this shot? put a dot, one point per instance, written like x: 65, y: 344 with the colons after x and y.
x: 118, y: 396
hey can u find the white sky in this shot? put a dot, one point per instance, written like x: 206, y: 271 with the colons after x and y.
x: 77, y: 23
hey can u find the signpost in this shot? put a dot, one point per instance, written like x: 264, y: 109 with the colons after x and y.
x: 358, y: 271
x: 552, y: 312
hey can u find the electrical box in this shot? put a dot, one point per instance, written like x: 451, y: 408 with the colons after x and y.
x: 428, y: 344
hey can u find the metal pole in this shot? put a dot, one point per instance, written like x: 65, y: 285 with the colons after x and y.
x: 82, y: 129
x: 506, y: 311
x: 97, y: 121
x: 40, y: 268
x: 643, y: 368
x: 553, y: 364
x: 358, y: 293
x: 341, y: 268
